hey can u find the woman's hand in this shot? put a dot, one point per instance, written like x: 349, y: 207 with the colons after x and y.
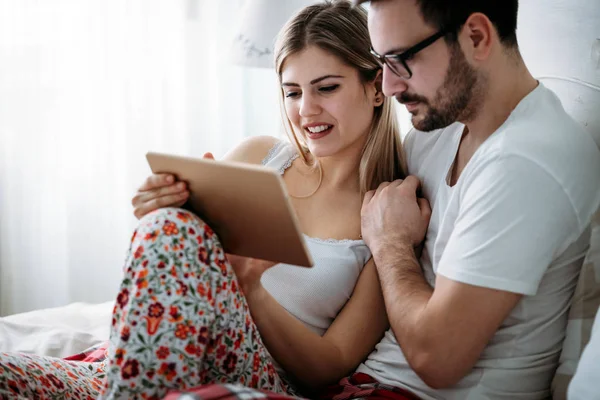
x: 248, y: 272
x: 159, y: 191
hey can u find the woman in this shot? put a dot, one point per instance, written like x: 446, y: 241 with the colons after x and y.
x: 187, y: 314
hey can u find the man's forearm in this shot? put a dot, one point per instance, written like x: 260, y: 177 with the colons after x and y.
x: 443, y: 335
x: 406, y: 294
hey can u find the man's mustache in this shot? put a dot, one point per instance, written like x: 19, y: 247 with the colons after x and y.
x: 410, y: 98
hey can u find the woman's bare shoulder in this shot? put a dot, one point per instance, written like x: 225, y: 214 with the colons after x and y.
x: 252, y: 150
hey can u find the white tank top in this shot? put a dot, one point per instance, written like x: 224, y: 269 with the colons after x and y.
x: 314, y: 295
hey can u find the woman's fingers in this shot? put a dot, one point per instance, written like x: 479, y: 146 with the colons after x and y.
x: 160, y: 190
x: 146, y: 196
x: 156, y: 181
x: 154, y: 203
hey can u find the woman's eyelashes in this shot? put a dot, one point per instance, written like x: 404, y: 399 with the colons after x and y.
x: 328, y: 89
x: 322, y: 89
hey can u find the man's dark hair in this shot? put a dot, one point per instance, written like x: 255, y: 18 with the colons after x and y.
x: 452, y: 14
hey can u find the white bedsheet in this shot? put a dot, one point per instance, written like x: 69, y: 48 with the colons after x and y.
x: 57, y: 332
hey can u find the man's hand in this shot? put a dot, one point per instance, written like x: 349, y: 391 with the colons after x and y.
x: 394, y: 214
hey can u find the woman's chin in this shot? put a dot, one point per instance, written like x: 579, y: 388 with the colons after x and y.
x: 320, y: 151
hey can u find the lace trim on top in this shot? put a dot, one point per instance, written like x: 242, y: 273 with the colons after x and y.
x: 288, y: 163
x: 269, y: 157
x: 274, y: 150
x: 334, y: 241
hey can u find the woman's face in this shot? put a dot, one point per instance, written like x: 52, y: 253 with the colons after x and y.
x: 326, y: 102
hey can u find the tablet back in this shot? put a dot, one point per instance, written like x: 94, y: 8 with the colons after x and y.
x: 246, y: 205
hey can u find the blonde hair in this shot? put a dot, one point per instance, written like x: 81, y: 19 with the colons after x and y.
x: 341, y: 29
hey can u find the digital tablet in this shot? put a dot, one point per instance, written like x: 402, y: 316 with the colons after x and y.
x: 246, y: 205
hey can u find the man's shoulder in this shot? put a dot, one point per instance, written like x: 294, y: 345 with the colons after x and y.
x: 543, y: 133
x: 540, y: 123
x: 543, y: 144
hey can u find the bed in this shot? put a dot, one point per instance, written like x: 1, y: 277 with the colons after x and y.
x: 57, y: 332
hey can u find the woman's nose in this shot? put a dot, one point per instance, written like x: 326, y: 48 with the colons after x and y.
x: 309, y: 106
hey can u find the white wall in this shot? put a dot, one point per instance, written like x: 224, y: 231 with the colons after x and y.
x: 561, y: 39
x: 86, y: 88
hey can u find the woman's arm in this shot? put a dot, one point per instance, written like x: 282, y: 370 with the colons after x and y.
x: 251, y: 150
x: 313, y: 360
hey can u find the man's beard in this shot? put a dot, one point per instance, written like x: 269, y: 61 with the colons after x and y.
x: 458, y: 99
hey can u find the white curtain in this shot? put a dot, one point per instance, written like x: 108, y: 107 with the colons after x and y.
x: 87, y: 87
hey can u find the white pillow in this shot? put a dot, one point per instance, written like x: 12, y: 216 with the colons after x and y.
x: 57, y: 332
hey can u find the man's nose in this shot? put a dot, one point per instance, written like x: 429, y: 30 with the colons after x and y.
x: 392, y: 84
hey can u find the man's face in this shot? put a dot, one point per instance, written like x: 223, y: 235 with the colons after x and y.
x: 444, y: 87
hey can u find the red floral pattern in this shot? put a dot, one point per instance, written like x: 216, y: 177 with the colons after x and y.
x: 179, y: 321
x: 29, y: 376
x: 189, y: 324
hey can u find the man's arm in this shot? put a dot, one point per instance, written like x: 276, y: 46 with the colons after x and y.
x: 441, y: 333
x: 513, y: 218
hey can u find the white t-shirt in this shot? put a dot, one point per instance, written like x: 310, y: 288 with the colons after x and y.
x: 585, y: 383
x: 516, y: 220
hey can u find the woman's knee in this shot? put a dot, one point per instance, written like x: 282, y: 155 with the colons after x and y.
x: 169, y: 234
x: 161, y: 215
x: 173, y: 222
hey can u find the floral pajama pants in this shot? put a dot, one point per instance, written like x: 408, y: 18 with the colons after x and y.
x: 180, y: 320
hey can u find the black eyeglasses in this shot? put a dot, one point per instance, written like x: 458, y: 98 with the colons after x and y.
x: 396, y: 62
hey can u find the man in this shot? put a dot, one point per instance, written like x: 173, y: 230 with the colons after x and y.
x: 512, y: 187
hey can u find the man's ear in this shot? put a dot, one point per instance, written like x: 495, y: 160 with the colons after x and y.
x: 478, y: 35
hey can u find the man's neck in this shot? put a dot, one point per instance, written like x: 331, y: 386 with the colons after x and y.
x: 504, y: 92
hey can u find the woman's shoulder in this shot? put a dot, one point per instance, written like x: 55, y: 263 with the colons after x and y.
x: 254, y: 149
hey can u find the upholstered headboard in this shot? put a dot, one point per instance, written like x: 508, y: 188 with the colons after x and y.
x: 560, y: 42
x: 580, y: 99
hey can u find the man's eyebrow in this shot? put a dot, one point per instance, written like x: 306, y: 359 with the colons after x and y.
x: 314, y: 81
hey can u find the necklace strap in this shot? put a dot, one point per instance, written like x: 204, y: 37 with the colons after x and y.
x: 317, y: 188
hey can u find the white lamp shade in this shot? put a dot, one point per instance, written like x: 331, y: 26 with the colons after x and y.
x: 261, y: 21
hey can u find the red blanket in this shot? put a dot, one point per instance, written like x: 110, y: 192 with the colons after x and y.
x: 357, y: 386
